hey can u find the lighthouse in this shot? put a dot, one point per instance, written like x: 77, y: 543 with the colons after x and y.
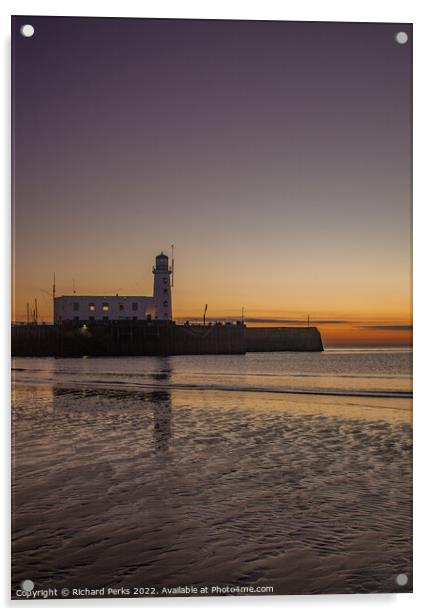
x: 105, y: 308
x: 162, y: 288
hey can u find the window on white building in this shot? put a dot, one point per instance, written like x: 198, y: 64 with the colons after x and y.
x: 121, y: 307
x: 105, y: 307
x: 75, y: 306
x: 92, y: 306
x: 135, y: 306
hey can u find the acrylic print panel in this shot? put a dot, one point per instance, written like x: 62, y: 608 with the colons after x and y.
x: 211, y: 333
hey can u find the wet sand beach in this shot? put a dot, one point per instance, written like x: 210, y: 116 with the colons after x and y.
x: 158, y: 483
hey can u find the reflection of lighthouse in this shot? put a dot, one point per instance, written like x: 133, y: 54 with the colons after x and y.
x: 162, y: 419
x: 162, y: 405
x: 162, y: 289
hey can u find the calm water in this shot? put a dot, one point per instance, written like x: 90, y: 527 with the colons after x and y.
x: 285, y: 469
x: 346, y: 371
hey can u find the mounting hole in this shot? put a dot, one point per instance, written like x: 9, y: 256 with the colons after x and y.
x: 27, y: 585
x: 401, y: 38
x: 27, y: 30
x: 402, y: 579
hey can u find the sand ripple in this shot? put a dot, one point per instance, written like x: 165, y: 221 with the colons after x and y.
x: 132, y: 488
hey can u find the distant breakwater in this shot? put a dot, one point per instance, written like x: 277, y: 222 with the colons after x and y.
x: 152, y: 338
x: 266, y: 339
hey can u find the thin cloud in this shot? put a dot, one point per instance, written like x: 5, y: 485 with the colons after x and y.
x: 295, y: 321
x: 269, y: 320
x: 391, y: 328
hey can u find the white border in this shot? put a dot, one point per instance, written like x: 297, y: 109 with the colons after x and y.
x: 416, y: 11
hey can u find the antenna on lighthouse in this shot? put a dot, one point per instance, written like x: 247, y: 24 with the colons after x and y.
x: 53, y: 287
x: 74, y: 290
x: 172, y: 266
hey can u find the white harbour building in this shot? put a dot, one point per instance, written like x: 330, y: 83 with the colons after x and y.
x: 87, y: 308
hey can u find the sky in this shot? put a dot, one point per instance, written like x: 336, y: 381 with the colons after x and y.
x: 276, y: 156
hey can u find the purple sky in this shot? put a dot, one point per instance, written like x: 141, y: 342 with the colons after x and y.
x: 275, y: 155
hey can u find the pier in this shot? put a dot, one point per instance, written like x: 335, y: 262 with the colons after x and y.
x: 157, y: 338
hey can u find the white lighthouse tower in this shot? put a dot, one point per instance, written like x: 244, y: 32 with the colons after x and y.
x: 162, y: 288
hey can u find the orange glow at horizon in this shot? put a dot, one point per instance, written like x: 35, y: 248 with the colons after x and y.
x: 283, y: 178
x: 356, y: 316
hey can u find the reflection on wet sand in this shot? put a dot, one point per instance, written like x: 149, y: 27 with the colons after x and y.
x: 119, y: 486
x: 162, y: 419
x: 162, y: 407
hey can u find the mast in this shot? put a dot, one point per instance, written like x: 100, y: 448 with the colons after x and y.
x: 172, y: 265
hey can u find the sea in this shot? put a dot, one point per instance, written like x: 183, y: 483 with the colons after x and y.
x: 287, y: 472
